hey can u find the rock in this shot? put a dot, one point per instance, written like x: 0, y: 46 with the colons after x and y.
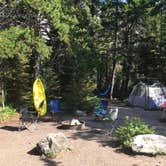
x: 149, y: 144
x: 53, y: 143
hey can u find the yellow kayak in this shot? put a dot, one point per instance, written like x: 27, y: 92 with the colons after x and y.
x: 39, y: 97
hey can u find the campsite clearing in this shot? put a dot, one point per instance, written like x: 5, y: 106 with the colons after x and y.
x: 89, y: 148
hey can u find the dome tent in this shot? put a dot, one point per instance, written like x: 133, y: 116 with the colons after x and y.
x: 147, y: 96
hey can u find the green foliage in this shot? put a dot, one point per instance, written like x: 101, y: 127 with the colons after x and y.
x: 19, y: 41
x: 51, y: 154
x: 15, y: 41
x: 6, y: 113
x: 16, y: 45
x: 131, y: 128
x: 18, y: 83
x: 60, y: 15
x: 53, y: 86
x: 2, y: 1
x: 93, y: 100
x: 86, y: 40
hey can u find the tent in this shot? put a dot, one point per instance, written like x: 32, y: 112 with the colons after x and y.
x: 147, y: 96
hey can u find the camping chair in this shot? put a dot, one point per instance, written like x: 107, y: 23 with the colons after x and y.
x: 113, y: 117
x: 110, y: 120
x: 109, y: 116
x: 101, y: 110
x: 28, y: 119
x: 55, y: 109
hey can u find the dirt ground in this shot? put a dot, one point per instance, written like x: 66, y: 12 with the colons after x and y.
x: 88, y: 147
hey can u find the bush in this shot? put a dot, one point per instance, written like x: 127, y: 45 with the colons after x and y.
x: 6, y: 113
x: 131, y: 128
x: 51, y: 155
x: 93, y: 101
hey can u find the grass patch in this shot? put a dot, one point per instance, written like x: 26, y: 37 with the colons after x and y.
x: 7, y: 113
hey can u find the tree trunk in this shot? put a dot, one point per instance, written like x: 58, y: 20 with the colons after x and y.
x: 3, y: 79
x: 125, y: 87
x: 114, y: 78
x: 3, y: 96
x: 115, y: 65
x: 37, y: 64
x: 127, y: 64
x: 98, y: 79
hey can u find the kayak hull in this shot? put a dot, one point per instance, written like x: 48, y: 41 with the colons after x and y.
x: 39, y: 97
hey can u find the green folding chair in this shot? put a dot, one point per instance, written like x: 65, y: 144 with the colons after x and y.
x: 113, y: 117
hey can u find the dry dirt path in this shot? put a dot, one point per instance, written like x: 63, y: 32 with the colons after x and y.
x: 89, y: 148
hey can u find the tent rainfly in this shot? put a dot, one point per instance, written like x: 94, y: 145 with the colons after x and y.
x: 147, y: 96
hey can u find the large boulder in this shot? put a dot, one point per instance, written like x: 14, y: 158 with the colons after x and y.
x: 53, y: 143
x: 149, y: 144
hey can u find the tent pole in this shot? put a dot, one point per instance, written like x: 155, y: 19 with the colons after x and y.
x: 146, y: 95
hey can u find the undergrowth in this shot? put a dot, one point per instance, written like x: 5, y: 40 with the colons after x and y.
x: 6, y: 113
x: 131, y: 128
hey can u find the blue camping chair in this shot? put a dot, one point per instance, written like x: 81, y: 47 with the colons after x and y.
x: 54, y: 106
x: 109, y: 116
x: 101, y: 109
x: 55, y: 110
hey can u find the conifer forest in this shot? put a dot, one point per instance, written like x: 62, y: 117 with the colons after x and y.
x: 79, y: 46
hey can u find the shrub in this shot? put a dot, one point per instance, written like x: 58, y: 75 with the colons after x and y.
x: 6, y: 113
x: 51, y: 154
x: 48, y: 155
x: 93, y: 101
x: 131, y: 128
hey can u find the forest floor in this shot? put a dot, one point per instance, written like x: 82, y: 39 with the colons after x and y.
x: 88, y: 148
